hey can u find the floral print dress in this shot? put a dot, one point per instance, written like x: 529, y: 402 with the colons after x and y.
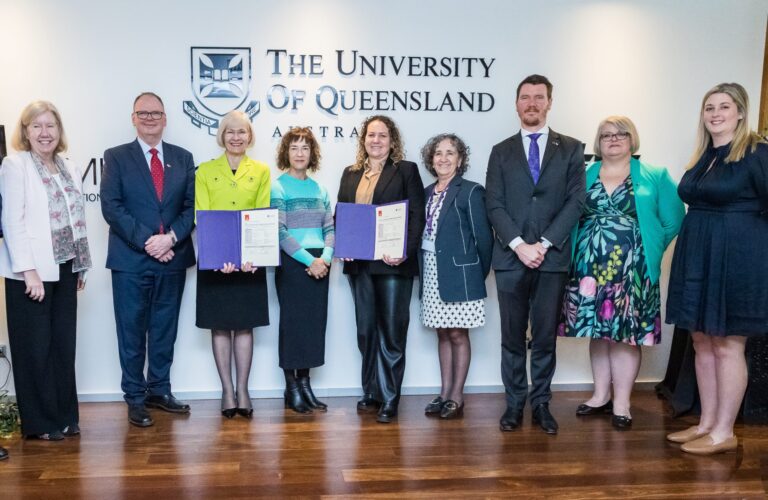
x: 609, y: 294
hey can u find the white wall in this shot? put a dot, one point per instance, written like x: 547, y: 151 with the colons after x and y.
x: 651, y: 60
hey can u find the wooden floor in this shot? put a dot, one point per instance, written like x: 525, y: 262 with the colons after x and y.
x: 340, y: 453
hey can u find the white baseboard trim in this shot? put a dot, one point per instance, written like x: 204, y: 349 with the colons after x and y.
x: 352, y: 391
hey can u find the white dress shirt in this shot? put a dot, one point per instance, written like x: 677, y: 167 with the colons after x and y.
x: 148, y: 156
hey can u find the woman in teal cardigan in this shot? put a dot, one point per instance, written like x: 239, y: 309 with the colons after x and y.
x: 632, y: 213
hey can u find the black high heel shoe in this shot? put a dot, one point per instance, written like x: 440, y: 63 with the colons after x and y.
x: 293, y: 399
x: 245, y: 412
x: 309, y: 397
x: 229, y: 412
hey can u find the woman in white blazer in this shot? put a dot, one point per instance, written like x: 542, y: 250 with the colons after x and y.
x: 43, y: 257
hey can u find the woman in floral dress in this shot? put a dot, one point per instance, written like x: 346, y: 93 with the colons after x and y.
x: 631, y: 214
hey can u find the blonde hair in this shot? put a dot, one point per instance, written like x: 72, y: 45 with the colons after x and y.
x: 231, y: 120
x: 20, y: 141
x: 396, y: 151
x: 743, y: 137
x: 622, y: 123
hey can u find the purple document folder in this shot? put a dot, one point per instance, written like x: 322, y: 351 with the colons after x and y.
x: 356, y: 230
x: 218, y: 238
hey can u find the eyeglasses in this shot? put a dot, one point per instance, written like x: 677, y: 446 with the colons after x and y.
x: 143, y: 115
x: 618, y: 136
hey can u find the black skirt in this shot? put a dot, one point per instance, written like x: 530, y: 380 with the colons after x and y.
x: 303, y: 314
x: 235, y: 301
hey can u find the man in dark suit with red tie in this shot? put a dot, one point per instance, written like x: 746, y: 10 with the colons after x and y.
x: 535, y: 189
x: 147, y: 198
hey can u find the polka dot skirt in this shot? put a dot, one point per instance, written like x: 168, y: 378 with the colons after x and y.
x: 435, y: 313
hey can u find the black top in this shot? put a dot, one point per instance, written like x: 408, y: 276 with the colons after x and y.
x: 741, y: 185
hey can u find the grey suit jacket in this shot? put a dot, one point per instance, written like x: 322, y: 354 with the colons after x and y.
x: 548, y: 209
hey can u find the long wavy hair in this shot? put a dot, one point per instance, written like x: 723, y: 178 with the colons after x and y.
x: 743, y: 138
x: 396, y: 149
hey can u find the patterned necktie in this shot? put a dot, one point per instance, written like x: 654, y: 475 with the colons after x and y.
x: 533, y: 157
x: 156, y: 169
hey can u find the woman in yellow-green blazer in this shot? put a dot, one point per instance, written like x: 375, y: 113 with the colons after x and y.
x: 232, y: 301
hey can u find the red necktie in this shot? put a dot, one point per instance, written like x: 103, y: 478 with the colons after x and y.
x: 156, y: 169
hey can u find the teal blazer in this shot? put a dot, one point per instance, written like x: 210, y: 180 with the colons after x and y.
x: 660, y: 211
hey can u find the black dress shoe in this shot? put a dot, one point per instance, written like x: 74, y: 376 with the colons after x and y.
x: 584, y: 410
x: 435, y: 406
x: 545, y: 419
x: 166, y: 402
x: 387, y: 413
x: 368, y: 403
x: 309, y: 396
x: 452, y: 409
x: 621, y: 422
x: 71, y: 430
x: 511, y: 419
x: 139, y: 416
x: 3, y: 453
x: 47, y: 436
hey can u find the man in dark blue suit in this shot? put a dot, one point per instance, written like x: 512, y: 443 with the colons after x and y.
x: 535, y: 192
x: 147, y: 198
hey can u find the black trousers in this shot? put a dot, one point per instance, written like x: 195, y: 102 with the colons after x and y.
x: 536, y: 295
x: 382, y: 312
x: 42, y: 338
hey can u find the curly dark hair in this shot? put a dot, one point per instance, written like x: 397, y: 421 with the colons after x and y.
x: 428, y: 152
x: 396, y: 149
x: 298, y: 134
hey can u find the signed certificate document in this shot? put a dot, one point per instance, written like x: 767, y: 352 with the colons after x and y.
x: 368, y: 232
x: 390, y: 231
x: 259, y: 240
x: 237, y: 236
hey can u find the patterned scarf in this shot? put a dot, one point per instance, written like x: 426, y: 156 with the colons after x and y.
x: 67, y: 215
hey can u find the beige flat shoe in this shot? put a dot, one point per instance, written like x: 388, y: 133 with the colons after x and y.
x: 689, y: 434
x: 706, y: 446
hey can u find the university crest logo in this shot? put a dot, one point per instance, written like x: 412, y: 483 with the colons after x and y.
x: 221, y: 80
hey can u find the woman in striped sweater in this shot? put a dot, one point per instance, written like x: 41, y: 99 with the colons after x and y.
x: 306, y: 240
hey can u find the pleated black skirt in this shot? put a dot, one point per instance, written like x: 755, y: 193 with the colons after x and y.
x: 235, y: 301
x: 303, y: 314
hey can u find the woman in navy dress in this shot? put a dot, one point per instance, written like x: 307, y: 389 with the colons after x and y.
x: 717, y: 284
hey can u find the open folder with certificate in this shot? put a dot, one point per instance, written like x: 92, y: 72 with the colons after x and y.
x: 368, y: 232
x: 237, y: 237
